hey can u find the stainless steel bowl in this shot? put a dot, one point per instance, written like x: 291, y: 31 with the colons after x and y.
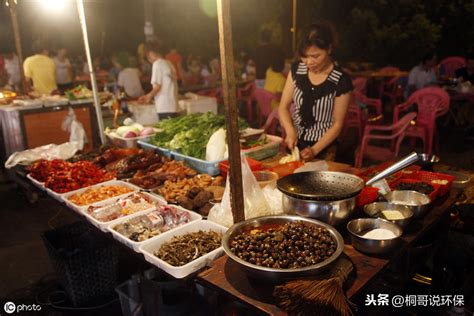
x: 375, y: 210
x: 273, y: 273
x: 331, y: 212
x: 358, y: 227
x: 416, y: 201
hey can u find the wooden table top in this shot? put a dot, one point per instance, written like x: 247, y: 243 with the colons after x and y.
x: 377, y: 74
x: 227, y: 278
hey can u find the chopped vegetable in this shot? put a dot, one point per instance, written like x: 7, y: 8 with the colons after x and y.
x: 190, y: 134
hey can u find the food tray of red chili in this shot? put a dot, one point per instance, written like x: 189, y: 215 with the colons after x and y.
x: 61, y: 177
x: 424, y: 187
x: 444, y: 181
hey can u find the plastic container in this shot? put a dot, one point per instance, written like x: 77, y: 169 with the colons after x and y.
x: 136, y: 245
x: 286, y: 168
x: 103, y: 226
x: 429, y: 177
x: 86, y: 263
x: 36, y: 183
x: 149, y: 247
x: 366, y: 196
x: 198, y: 104
x: 268, y: 150
x: 162, y: 151
x: 265, y: 177
x: 254, y: 165
x: 127, y: 142
x: 144, y: 114
x: 65, y: 197
x: 202, y: 166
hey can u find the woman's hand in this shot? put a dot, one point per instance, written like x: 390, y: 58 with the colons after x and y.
x: 307, y: 154
x: 291, y: 140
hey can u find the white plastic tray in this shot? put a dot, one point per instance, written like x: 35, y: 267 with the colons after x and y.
x: 35, y: 182
x: 150, y: 246
x: 103, y: 226
x: 136, y: 245
x: 65, y: 196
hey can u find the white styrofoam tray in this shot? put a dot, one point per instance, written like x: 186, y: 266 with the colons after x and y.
x: 150, y: 246
x: 65, y: 196
x: 103, y: 226
x: 136, y: 245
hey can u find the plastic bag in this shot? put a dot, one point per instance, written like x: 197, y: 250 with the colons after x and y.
x: 75, y: 128
x: 48, y: 152
x: 216, y: 148
x: 319, y: 165
x: 255, y: 205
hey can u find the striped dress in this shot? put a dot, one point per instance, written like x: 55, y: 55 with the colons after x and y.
x: 315, y: 103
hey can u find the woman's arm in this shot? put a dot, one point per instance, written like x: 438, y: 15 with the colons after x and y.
x: 341, y: 103
x: 284, y: 113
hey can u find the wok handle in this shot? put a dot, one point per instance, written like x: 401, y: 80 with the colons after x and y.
x: 402, y: 164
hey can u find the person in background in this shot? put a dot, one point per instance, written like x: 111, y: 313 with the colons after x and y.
x: 193, y: 76
x: 41, y: 70
x: 321, y: 92
x: 128, y: 77
x: 176, y: 59
x: 274, y: 78
x: 466, y: 73
x: 422, y: 75
x: 164, y: 83
x: 12, y: 67
x: 264, y: 55
x: 63, y: 70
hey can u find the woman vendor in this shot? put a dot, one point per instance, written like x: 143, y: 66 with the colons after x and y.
x: 321, y: 92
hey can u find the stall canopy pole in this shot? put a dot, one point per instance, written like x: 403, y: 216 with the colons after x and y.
x: 231, y: 112
x: 293, y: 28
x: 16, y: 31
x: 95, y: 92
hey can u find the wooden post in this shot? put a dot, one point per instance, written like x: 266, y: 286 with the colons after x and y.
x: 231, y: 111
x: 293, y: 27
x: 16, y: 32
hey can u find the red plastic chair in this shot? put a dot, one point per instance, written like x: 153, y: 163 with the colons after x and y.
x: 431, y: 103
x: 272, y: 123
x: 360, y: 84
x: 370, y: 102
x: 451, y: 64
x: 396, y: 133
x: 264, y: 103
x: 389, y: 88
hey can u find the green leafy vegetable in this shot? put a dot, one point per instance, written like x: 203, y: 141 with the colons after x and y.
x: 189, y: 134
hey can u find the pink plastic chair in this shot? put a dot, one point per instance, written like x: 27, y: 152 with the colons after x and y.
x: 451, y: 64
x: 272, y: 123
x: 389, y: 87
x: 396, y: 132
x: 264, y: 103
x: 431, y: 103
x: 357, y: 118
x: 360, y: 84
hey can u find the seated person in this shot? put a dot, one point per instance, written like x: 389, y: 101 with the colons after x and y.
x: 422, y: 75
x: 274, y: 78
x: 466, y: 73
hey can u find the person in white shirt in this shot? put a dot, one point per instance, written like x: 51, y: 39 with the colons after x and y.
x: 63, y: 70
x: 422, y: 75
x: 128, y: 77
x: 12, y: 67
x: 164, y: 82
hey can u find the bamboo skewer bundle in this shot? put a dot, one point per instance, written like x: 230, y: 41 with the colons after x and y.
x: 321, y: 297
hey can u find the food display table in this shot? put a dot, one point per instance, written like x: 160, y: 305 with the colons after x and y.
x: 227, y: 278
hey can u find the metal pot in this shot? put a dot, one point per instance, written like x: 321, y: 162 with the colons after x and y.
x: 329, y: 196
x: 273, y: 274
x: 331, y: 212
